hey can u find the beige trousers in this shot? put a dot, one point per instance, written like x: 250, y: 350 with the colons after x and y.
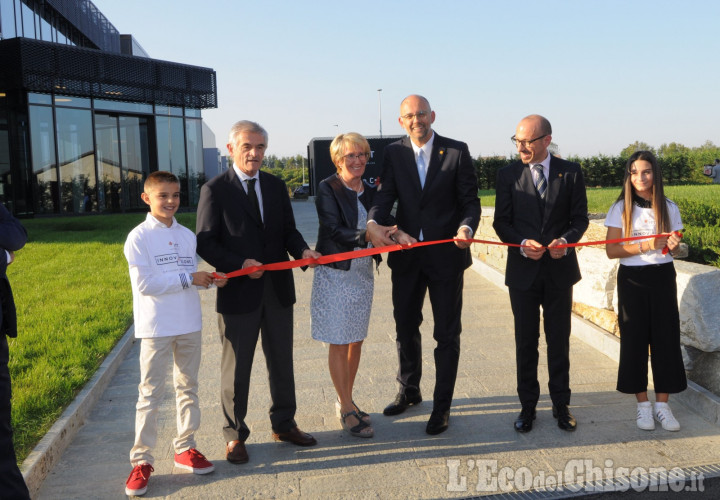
x: 155, y: 354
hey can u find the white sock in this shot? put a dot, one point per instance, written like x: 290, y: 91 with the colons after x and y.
x: 661, y: 405
x: 644, y: 403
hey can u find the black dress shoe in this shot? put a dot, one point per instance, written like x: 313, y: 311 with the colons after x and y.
x: 295, y: 436
x: 438, y: 422
x: 401, y: 403
x: 565, y: 419
x: 524, y: 421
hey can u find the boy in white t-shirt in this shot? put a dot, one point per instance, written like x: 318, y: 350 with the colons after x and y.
x: 168, y: 320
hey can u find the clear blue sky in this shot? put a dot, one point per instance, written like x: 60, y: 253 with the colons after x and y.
x: 605, y: 73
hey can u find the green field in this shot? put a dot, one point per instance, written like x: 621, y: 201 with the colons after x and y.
x: 600, y: 199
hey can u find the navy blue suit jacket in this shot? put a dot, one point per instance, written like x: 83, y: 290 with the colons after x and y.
x: 13, y: 236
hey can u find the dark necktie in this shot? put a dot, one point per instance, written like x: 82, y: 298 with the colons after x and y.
x: 540, y: 183
x: 253, y: 197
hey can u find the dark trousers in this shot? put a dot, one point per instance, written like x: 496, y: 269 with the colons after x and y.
x: 557, y: 308
x: 408, y: 294
x: 12, y: 485
x: 239, y: 337
x: 648, y: 317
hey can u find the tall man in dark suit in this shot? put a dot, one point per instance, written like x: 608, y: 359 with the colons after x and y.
x: 12, y: 237
x: 244, y: 219
x: 540, y: 202
x: 433, y: 180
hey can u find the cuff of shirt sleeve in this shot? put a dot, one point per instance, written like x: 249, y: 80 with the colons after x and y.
x: 472, y: 233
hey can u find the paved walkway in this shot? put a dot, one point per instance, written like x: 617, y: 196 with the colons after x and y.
x: 480, y: 454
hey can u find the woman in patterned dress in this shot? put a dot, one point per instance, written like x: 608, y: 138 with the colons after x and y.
x: 342, y: 292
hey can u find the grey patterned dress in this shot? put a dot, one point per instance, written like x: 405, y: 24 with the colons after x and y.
x: 341, y: 300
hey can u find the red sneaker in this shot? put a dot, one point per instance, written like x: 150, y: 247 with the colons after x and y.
x: 136, y: 484
x: 194, y: 461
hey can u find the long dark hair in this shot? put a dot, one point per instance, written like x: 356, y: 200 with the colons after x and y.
x: 659, y: 204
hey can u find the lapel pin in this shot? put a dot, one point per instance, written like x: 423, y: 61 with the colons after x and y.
x: 559, y: 175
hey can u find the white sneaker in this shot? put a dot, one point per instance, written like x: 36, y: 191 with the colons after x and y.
x: 645, y: 416
x: 663, y: 414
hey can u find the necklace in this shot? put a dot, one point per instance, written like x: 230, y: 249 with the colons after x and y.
x: 641, y: 202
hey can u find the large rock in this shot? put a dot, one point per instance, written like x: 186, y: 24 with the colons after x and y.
x: 698, y: 298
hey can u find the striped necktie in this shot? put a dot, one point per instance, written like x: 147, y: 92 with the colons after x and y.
x: 540, y: 182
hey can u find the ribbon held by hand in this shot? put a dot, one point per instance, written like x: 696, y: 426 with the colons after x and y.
x: 365, y: 252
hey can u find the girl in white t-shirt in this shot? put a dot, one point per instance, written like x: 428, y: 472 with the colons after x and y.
x: 647, y: 292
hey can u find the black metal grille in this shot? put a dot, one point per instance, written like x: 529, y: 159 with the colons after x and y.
x: 38, y: 66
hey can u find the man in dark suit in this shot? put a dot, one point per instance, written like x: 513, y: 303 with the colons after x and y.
x: 433, y: 180
x: 12, y: 237
x: 244, y: 219
x: 540, y: 202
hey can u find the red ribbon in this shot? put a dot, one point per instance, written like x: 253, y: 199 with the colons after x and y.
x: 356, y: 254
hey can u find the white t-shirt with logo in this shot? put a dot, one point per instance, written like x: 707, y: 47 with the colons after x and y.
x: 161, y: 261
x: 643, y: 223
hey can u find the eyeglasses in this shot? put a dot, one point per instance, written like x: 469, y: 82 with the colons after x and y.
x: 361, y: 156
x: 526, y: 143
x: 419, y: 115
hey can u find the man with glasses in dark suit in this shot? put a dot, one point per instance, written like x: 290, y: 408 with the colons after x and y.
x: 433, y: 180
x: 540, y: 203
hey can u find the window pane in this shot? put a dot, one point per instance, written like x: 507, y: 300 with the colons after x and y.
x: 76, y: 102
x: 171, y: 150
x: 108, y: 163
x: 44, y: 181
x: 28, y: 20
x: 130, y: 107
x: 168, y: 111
x: 135, y: 154
x: 39, y: 98
x: 76, y: 159
x: 196, y: 175
x: 7, y: 20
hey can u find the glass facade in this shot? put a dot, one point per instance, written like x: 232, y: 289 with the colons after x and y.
x: 95, y: 160
x: 77, y: 154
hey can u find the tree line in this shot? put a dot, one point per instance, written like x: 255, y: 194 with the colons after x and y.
x: 680, y: 165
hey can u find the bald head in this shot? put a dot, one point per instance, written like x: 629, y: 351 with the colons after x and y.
x: 415, y: 98
x: 540, y: 123
x: 533, y: 136
x: 417, y: 118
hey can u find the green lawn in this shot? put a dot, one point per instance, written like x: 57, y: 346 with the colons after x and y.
x: 600, y: 199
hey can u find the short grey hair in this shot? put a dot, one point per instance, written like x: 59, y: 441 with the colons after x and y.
x: 246, y: 126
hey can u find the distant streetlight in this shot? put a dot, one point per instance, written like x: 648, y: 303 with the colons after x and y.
x: 337, y: 129
x: 380, y: 110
